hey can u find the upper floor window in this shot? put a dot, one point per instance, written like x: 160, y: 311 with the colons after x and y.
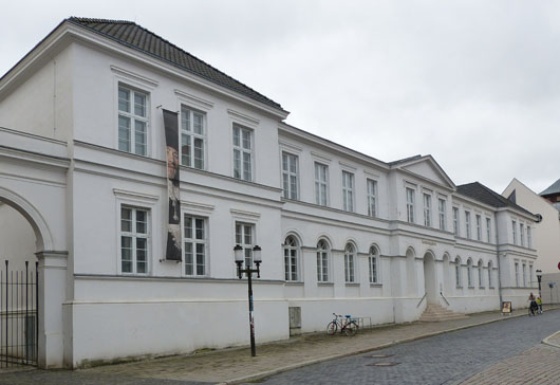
x: 290, y: 175
x: 321, y: 184
x: 242, y: 153
x: 522, y: 234
x: 350, y: 263
x: 133, y: 120
x: 442, y: 214
x: 409, y: 205
x: 427, y: 210
x: 514, y: 231
x: 456, y: 221
x: 372, y: 264
x: 372, y: 197
x: 193, y: 138
x: 488, y: 230
x: 195, y: 245
x: 322, y: 261
x: 134, y: 237
x: 291, y: 259
x: 468, y: 224
x: 245, y: 237
x: 529, y: 238
x: 478, y: 228
x: 348, y: 191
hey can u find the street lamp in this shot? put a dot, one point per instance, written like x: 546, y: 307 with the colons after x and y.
x: 539, y: 278
x: 248, y: 271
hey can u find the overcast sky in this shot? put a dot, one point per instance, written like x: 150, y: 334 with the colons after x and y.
x: 476, y: 84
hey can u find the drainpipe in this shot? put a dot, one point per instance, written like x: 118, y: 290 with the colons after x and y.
x: 500, y: 278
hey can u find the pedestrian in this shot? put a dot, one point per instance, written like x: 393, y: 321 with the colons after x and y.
x: 539, y: 303
x: 532, y: 303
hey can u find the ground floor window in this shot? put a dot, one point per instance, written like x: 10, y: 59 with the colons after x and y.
x: 134, y: 240
x: 195, y: 242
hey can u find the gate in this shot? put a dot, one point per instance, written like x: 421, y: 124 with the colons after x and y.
x: 18, y: 315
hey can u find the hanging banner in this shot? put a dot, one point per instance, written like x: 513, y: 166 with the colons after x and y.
x: 171, y: 123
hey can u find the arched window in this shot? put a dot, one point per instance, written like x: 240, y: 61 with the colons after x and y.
x: 469, y: 273
x: 480, y: 274
x: 490, y: 282
x: 372, y: 263
x: 322, y: 261
x: 291, y: 259
x: 458, y: 281
x: 350, y: 263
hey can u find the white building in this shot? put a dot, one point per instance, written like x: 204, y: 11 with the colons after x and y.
x: 83, y: 179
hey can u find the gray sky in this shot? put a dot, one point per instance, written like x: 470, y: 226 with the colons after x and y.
x: 476, y: 84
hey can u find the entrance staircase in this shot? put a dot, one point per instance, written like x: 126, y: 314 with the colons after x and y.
x: 437, y: 313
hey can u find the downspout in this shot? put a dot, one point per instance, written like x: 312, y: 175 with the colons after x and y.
x: 499, y: 263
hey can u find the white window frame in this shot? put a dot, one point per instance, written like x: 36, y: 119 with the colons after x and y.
x: 323, y: 261
x: 478, y: 220
x: 132, y: 144
x: 480, y: 274
x: 524, y: 271
x: 290, y: 175
x: 410, y: 193
x: 134, y: 235
x: 243, y: 153
x: 456, y: 227
x: 514, y: 231
x: 468, y: 224
x: 348, y: 191
x: 529, y: 238
x: 522, y: 234
x: 372, y: 197
x: 469, y: 274
x: 517, y: 278
x: 192, y: 136
x: 458, y: 275
x: 442, y: 214
x: 489, y: 229
x: 350, y: 263
x: 490, y: 281
x: 245, y: 236
x: 321, y: 184
x: 373, y: 265
x: 427, y: 210
x: 291, y: 259
x: 195, y: 265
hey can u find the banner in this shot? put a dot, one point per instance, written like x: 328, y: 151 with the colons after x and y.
x: 171, y: 123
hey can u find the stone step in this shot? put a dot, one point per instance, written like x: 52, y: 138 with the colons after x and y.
x: 437, y: 313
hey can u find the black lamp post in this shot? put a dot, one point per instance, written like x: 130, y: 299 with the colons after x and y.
x: 248, y: 271
x: 539, y: 278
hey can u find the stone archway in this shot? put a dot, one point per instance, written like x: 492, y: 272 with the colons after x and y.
x: 430, y: 279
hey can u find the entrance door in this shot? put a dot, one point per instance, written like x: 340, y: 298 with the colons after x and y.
x: 430, y: 283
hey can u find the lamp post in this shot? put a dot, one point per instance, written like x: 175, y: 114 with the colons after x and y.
x: 539, y: 278
x: 248, y: 271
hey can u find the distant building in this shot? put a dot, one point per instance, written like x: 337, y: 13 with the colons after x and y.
x: 133, y: 219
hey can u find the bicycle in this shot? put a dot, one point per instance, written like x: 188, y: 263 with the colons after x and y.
x: 346, y: 324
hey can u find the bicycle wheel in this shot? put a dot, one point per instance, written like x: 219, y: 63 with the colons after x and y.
x: 332, y: 327
x: 351, y: 329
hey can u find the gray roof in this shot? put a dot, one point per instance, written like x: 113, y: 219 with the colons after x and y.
x: 140, y: 39
x: 483, y: 194
x: 552, y: 190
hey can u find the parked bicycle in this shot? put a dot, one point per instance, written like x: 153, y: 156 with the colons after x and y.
x: 345, y: 323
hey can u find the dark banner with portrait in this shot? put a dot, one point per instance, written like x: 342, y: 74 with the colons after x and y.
x: 171, y: 123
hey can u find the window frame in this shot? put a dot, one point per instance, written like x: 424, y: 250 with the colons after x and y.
x: 246, y: 231
x: 193, y: 136
x: 290, y: 189
x: 468, y: 224
x: 194, y: 242
x: 442, y: 214
x: 348, y: 190
x: 133, y: 118
x: 350, y: 263
x: 410, y: 194
x: 323, y: 260
x: 291, y: 259
x: 427, y: 209
x: 134, y: 236
x: 373, y: 265
x: 321, y: 184
x: 241, y: 152
x: 372, y: 197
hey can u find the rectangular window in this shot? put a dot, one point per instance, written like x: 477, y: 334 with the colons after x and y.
x: 427, y: 210
x: 524, y: 275
x: 488, y: 230
x: 517, y: 274
x: 456, y: 221
x: 409, y: 205
x: 478, y: 228
x: 529, y: 238
x: 133, y: 121
x: 514, y: 231
x: 245, y: 237
x: 134, y: 240
x: 242, y: 153
x: 193, y: 138
x: 372, y: 264
x: 321, y: 184
x: 468, y: 224
x: 290, y: 175
x: 195, y: 245
x: 372, y: 197
x: 521, y: 234
x: 347, y: 191
x: 442, y: 214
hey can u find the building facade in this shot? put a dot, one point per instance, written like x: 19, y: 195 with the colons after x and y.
x: 85, y: 191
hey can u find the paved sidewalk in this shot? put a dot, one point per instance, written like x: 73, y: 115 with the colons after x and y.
x: 231, y: 366
x: 236, y: 366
